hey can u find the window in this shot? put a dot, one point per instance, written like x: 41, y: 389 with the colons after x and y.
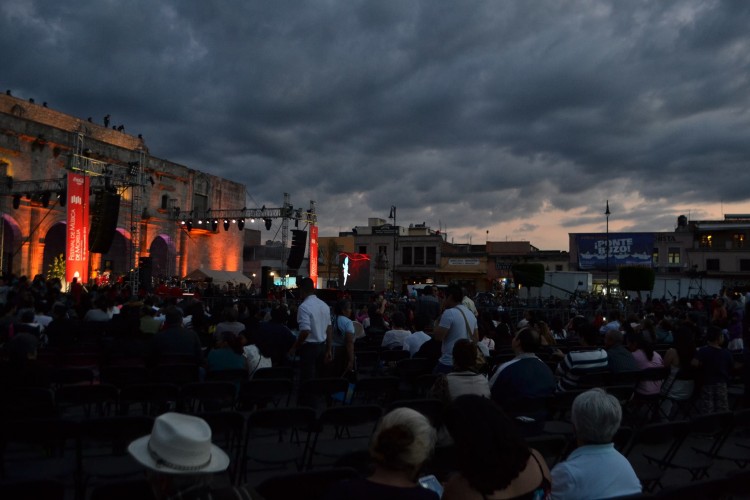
x: 419, y: 256
x: 739, y: 240
x: 673, y: 256
x: 431, y: 258
x: 712, y: 265
x: 164, y: 201
x: 362, y: 249
x: 383, y: 249
x: 745, y: 265
x: 406, y: 256
x: 706, y: 240
x: 200, y: 205
x: 655, y: 256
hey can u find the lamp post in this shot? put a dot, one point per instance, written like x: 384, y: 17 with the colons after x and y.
x: 606, y: 287
x: 395, y: 246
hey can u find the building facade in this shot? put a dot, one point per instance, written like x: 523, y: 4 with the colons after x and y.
x: 38, y: 148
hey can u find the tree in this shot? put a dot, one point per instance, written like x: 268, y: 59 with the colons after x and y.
x: 637, y: 278
x: 57, y: 268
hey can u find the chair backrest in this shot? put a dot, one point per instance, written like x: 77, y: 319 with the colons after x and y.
x: 123, y: 375
x: 430, y: 408
x: 227, y: 375
x: 208, y: 396
x: 257, y: 393
x: 175, y: 374
x: 388, y: 356
x: 312, y: 485
x: 551, y: 446
x: 282, y: 418
x: 380, y: 389
x: 275, y: 372
x: 323, y: 387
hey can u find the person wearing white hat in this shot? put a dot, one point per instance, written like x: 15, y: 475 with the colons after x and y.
x: 181, y: 460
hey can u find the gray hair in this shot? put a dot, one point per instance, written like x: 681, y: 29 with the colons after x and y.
x: 596, y: 416
x: 403, y: 440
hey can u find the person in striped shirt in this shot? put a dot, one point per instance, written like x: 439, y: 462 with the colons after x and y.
x: 580, y: 362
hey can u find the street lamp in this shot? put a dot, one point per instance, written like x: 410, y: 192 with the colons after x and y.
x: 607, y: 214
x: 395, y: 245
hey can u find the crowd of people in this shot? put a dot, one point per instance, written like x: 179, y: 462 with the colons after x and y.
x: 488, y: 366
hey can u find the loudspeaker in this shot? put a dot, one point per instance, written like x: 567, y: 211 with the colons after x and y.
x: 297, y: 252
x: 104, y: 215
x: 145, y: 272
x: 265, y: 280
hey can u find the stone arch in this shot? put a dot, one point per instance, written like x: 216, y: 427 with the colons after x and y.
x: 11, y: 242
x: 163, y: 257
x: 54, y: 244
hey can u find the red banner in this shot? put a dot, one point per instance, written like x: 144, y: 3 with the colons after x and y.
x: 313, y: 255
x: 77, y: 233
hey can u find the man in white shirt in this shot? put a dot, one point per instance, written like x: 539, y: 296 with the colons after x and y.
x: 314, y: 345
x: 394, y: 339
x: 413, y: 342
x: 456, y: 322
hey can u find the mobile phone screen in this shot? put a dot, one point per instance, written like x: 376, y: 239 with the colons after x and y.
x: 431, y: 483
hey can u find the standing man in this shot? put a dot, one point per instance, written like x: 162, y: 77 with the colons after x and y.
x: 315, y: 341
x: 428, y: 304
x: 456, y: 322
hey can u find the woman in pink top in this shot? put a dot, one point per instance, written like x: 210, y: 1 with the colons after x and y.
x: 642, y: 347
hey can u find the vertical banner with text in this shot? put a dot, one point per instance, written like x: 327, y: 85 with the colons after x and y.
x: 76, y: 238
x: 313, y: 255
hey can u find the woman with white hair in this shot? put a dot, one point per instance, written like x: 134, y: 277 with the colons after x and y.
x: 595, y: 469
x: 403, y: 440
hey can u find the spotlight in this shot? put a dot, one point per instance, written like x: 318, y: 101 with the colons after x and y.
x: 189, y: 225
x: 182, y: 222
x: 16, y: 200
x: 45, y: 198
x: 214, y: 225
x: 268, y: 224
x: 241, y: 224
x: 252, y: 221
x: 226, y: 224
x: 134, y: 167
x: 200, y: 222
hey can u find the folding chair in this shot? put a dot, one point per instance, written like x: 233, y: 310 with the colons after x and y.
x: 409, y: 369
x: 256, y: 394
x: 237, y: 376
x: 227, y: 428
x: 125, y: 490
x: 101, y: 398
x: 423, y: 384
x: 72, y: 375
x: 121, y: 376
x: 342, y: 430
x: 208, y: 396
x: 277, y: 437
x: 648, y: 402
x: 715, y: 427
x: 36, y: 489
x: 367, y: 361
x: 322, y: 388
x: 153, y: 399
x: 376, y: 390
x: 274, y: 372
x: 657, y: 444
x: 311, y: 485
x: 551, y: 446
x: 716, y: 489
x: 102, y: 450
x: 175, y: 373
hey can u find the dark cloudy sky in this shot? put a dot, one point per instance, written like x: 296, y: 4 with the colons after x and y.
x: 520, y: 118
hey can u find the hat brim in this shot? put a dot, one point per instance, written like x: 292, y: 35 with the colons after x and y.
x: 138, y: 449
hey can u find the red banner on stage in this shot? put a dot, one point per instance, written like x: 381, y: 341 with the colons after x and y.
x: 77, y: 233
x: 313, y: 255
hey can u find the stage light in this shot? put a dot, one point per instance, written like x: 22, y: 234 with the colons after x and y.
x: 268, y: 224
x: 45, y: 198
x: 182, y: 222
x: 241, y: 223
x: 214, y: 225
x: 189, y: 225
x: 134, y: 167
x: 226, y: 224
x: 16, y: 200
x: 252, y: 221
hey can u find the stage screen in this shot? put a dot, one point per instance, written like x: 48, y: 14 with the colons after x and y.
x: 354, y: 271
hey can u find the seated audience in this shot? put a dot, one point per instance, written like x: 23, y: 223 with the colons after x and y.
x: 619, y: 357
x: 680, y: 382
x: 175, y: 339
x: 414, y: 341
x: 578, y: 363
x: 642, y: 347
x: 394, y: 338
x: 715, y: 364
x: 524, y: 376
x: 403, y: 441
x: 227, y: 355
x: 465, y: 377
x: 594, y: 469
x: 492, y: 459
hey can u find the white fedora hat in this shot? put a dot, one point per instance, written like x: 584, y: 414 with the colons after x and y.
x: 179, y: 444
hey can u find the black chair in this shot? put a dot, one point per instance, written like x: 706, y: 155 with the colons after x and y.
x: 322, y: 388
x: 367, y: 361
x: 29, y: 402
x: 342, y: 430
x: 311, y: 485
x: 123, y: 375
x: 274, y: 372
x: 175, y: 374
x: 256, y: 394
x: 658, y: 444
x: 101, y: 398
x: 551, y: 446
x: 227, y: 428
x: 208, y: 396
x: 72, y: 375
x: 33, y: 489
x: 126, y: 490
x: 711, y: 488
x: 277, y: 438
x: 153, y: 399
x: 376, y: 390
x: 102, y: 449
x: 237, y: 376
x: 393, y: 356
